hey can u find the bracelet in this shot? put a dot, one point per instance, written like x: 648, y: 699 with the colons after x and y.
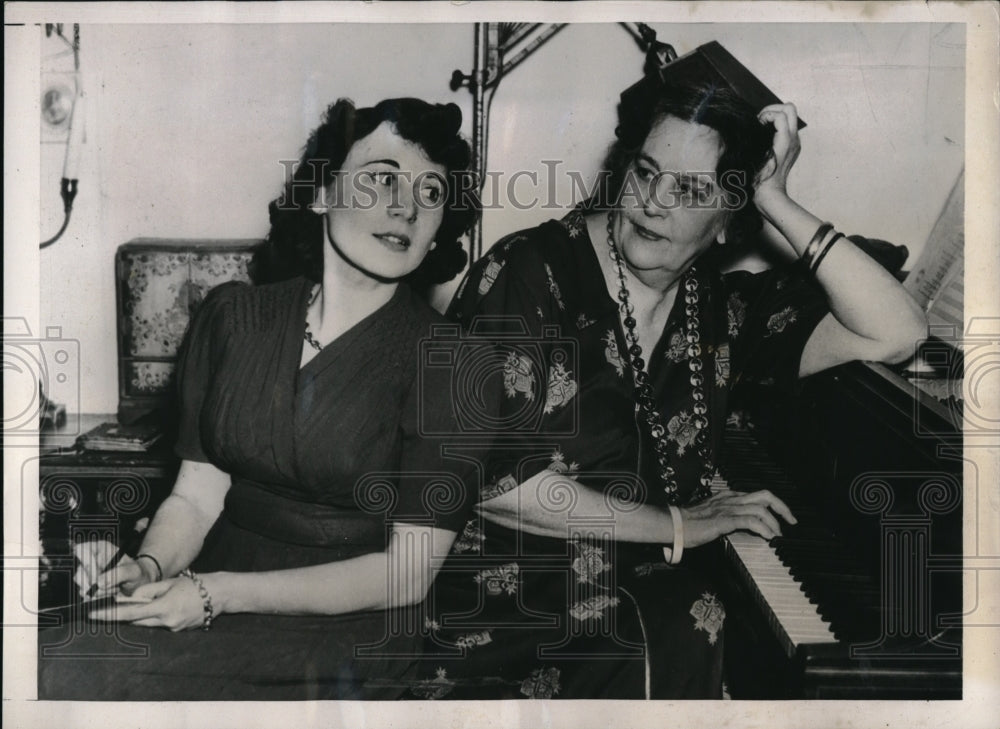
x: 159, y: 570
x: 822, y: 253
x: 673, y: 553
x: 814, y: 243
x: 206, y: 598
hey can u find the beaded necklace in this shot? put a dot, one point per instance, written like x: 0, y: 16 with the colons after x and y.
x: 307, y: 334
x: 643, y: 391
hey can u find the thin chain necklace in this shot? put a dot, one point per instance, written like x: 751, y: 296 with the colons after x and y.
x: 307, y: 334
x: 643, y: 391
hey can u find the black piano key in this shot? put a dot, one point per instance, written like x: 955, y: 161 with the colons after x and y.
x: 834, y: 551
x: 832, y: 577
x: 806, y: 563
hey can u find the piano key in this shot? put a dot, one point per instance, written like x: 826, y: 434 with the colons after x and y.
x: 831, y: 557
x: 790, y: 614
x: 811, y: 574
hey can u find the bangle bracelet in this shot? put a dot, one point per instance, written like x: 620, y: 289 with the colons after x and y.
x: 156, y: 563
x: 673, y: 553
x: 822, y: 253
x: 205, y: 597
x: 814, y: 244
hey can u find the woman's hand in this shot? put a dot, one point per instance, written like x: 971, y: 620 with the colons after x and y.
x: 773, y: 178
x: 731, y: 511
x: 125, y: 577
x: 91, y: 557
x: 174, y: 604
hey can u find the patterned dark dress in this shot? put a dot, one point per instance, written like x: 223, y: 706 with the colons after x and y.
x: 322, y: 459
x: 517, y: 615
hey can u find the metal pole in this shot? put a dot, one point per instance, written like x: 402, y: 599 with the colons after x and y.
x: 534, y: 45
x: 478, y: 83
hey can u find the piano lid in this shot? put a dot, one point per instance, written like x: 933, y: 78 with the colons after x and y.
x: 941, y: 395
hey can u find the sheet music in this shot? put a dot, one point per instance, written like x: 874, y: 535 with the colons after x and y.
x: 937, y: 279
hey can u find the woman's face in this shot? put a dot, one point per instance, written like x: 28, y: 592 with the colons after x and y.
x: 385, y: 205
x: 671, y: 208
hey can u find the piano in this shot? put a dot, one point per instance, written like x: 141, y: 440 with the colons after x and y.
x: 862, y: 598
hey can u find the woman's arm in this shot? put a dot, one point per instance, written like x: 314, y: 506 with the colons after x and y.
x: 397, y: 577
x: 538, y: 506
x: 178, y: 529
x: 551, y: 504
x: 872, y: 317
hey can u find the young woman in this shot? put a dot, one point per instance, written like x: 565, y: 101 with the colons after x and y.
x: 308, y: 510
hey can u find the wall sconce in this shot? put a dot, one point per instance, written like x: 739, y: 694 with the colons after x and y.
x: 62, y: 107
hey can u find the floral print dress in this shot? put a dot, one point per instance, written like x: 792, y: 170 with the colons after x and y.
x: 516, y: 615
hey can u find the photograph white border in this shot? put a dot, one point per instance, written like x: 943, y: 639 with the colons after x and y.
x: 21, y: 298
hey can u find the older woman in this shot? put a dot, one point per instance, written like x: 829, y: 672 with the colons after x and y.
x: 307, y: 500
x: 560, y: 587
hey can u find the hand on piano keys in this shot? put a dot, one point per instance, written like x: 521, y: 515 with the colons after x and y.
x: 727, y: 511
x: 794, y: 619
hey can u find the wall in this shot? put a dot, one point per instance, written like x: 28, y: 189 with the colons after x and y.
x: 884, y: 106
x: 186, y: 126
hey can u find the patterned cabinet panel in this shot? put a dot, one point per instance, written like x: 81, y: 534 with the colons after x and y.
x: 160, y: 281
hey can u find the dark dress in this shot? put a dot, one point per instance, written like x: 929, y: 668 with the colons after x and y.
x: 323, y: 459
x: 517, y: 615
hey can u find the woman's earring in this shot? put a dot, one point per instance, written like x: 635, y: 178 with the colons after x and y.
x: 319, y: 205
x: 434, y: 244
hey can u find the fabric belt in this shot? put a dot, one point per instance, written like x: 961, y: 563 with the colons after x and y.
x: 251, y: 506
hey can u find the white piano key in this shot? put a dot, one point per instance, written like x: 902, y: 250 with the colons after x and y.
x: 794, y: 618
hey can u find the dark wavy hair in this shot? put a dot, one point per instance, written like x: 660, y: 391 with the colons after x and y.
x: 746, y: 143
x: 294, y: 244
